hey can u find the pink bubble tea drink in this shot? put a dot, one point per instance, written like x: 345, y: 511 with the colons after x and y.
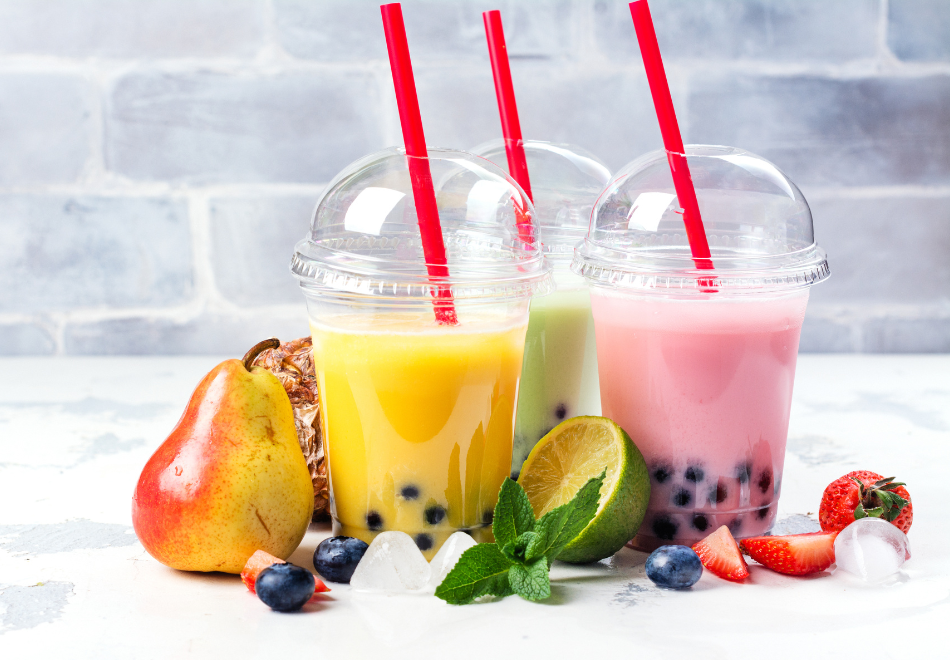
x: 698, y: 365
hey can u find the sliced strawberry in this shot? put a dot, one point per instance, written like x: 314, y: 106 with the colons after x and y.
x: 257, y: 563
x: 798, y: 554
x: 720, y: 553
x: 261, y: 560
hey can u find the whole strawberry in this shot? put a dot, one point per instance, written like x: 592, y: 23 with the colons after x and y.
x: 863, y: 494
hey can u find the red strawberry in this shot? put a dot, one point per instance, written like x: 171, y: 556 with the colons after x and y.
x: 719, y: 552
x: 798, y: 554
x: 261, y: 560
x: 861, y: 494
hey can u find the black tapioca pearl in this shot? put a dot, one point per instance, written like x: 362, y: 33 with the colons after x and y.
x: 561, y: 411
x: 735, y: 525
x: 718, y: 494
x: 664, y: 527
x: 374, y: 521
x: 695, y: 474
x: 743, y: 472
x: 488, y: 516
x: 466, y: 530
x: 682, y: 497
x: 762, y: 513
x: 765, y: 481
x: 434, y: 514
x: 661, y: 473
x: 409, y: 492
x: 700, y: 522
x: 424, y: 542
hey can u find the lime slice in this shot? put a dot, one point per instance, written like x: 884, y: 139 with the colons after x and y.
x: 573, y: 452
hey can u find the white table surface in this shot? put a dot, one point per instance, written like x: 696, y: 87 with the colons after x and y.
x: 75, y: 582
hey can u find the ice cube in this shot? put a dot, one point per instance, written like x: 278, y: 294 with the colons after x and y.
x: 871, y: 548
x: 392, y: 564
x: 447, y: 556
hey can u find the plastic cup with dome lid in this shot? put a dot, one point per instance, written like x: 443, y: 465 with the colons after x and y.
x: 418, y: 414
x: 559, y: 379
x: 696, y: 363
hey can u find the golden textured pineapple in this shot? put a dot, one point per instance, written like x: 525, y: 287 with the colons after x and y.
x: 292, y: 363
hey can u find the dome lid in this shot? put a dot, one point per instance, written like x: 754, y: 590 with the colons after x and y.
x: 757, y: 223
x: 565, y: 183
x: 364, y: 236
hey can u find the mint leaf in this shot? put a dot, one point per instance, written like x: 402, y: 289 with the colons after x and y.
x: 482, y: 570
x: 560, y: 526
x: 513, y: 514
x: 515, y: 551
x: 532, y: 581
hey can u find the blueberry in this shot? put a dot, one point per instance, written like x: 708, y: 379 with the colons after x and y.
x: 561, y: 411
x: 765, y: 481
x: 661, y: 473
x: 285, y: 587
x: 674, y: 567
x: 424, y: 542
x: 434, y: 514
x: 735, y: 525
x: 762, y: 513
x: 409, y: 492
x: 695, y: 474
x: 700, y: 522
x: 336, y: 558
x: 718, y: 494
x: 682, y: 497
x: 374, y: 521
x: 664, y: 527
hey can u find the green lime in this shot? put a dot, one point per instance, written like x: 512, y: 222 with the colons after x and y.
x: 573, y: 452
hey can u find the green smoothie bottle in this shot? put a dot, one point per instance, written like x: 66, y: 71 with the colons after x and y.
x: 559, y: 374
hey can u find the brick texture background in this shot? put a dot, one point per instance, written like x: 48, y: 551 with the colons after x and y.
x: 159, y: 158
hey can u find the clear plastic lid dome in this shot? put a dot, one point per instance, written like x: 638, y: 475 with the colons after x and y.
x: 757, y: 223
x: 365, y: 241
x: 565, y: 183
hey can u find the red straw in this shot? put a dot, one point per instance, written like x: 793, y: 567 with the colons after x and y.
x: 672, y: 140
x: 433, y: 246
x: 508, y: 109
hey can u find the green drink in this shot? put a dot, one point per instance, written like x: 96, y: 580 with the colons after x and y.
x: 559, y: 374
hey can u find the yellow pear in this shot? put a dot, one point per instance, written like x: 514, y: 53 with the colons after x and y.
x: 230, y: 479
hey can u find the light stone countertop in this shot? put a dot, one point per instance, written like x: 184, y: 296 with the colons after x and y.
x: 75, y: 583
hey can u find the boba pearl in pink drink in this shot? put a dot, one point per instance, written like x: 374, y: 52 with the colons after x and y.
x: 698, y: 365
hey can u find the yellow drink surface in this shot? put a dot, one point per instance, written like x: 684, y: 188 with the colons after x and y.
x: 417, y: 422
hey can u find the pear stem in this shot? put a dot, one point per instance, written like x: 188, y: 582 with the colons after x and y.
x: 259, y: 348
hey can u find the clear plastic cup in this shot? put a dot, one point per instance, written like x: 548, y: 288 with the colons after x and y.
x: 698, y: 365
x: 417, y: 416
x: 559, y: 377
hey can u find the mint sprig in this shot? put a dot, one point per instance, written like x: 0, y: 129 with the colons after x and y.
x: 520, y: 559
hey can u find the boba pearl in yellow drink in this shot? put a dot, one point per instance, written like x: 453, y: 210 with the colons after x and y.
x: 418, y: 420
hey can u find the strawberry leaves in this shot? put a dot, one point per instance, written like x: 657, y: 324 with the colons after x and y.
x: 879, y: 500
x: 519, y: 560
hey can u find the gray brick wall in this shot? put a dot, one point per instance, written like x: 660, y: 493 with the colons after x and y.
x: 159, y: 158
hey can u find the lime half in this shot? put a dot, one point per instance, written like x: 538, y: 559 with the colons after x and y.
x: 574, y: 451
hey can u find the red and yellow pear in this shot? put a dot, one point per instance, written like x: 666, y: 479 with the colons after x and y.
x: 230, y: 479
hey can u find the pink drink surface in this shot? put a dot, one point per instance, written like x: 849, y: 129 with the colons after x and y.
x: 704, y: 388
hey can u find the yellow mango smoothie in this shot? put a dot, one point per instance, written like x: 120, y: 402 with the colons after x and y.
x: 417, y: 421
